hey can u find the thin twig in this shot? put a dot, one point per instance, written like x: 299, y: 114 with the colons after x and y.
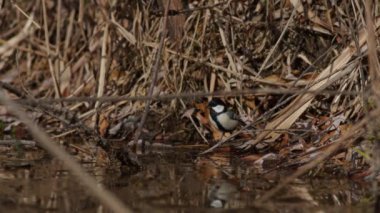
x: 47, y: 43
x: 105, y: 197
x: 189, y: 95
x: 68, y: 118
x: 11, y: 43
x: 374, y: 70
x: 30, y: 17
x: 103, y: 63
x: 16, y: 142
x: 155, y: 69
x: 344, y: 141
x: 277, y: 43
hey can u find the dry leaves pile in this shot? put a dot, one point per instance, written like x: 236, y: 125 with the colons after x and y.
x: 63, y: 49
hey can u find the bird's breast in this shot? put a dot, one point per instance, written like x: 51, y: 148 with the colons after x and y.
x: 227, y: 123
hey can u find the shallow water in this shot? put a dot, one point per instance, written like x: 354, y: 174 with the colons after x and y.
x: 175, y: 182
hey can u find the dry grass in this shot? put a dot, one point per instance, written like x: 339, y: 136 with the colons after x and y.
x: 100, y: 49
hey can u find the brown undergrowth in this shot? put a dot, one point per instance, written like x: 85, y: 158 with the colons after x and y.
x: 305, y: 68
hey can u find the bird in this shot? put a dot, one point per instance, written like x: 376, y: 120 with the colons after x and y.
x: 221, y: 117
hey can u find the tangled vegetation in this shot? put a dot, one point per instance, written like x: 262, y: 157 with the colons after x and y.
x: 302, y: 75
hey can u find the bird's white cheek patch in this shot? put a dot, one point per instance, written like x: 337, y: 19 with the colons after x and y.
x: 218, y: 108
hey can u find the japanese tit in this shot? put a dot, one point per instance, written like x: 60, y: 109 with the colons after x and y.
x: 221, y: 116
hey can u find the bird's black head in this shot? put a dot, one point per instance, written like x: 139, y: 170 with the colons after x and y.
x: 216, y: 102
